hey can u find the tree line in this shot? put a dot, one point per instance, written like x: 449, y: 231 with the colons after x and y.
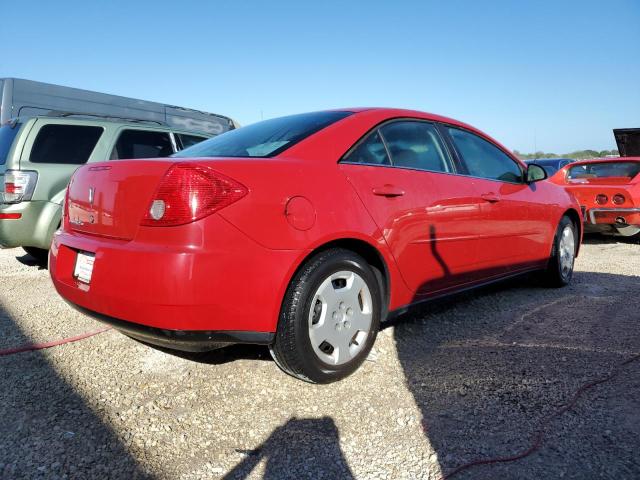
x: 579, y: 154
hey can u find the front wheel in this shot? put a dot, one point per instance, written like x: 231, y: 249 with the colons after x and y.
x: 563, y: 254
x: 330, y: 318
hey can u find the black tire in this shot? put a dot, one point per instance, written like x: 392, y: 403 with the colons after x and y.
x: 292, y: 350
x: 39, y: 254
x: 555, y: 276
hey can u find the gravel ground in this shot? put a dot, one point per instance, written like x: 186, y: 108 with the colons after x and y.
x: 470, y: 377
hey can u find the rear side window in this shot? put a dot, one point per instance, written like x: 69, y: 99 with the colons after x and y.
x: 483, y: 159
x: 186, y: 141
x: 370, y: 151
x: 65, y: 144
x: 415, y: 145
x: 142, y: 144
x: 7, y: 135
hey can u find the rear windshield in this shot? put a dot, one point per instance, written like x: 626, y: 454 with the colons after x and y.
x: 264, y: 139
x: 604, y: 170
x: 7, y: 134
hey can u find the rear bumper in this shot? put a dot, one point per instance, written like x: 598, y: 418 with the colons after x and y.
x: 204, y: 277
x: 609, y: 215
x: 38, y: 220
x: 185, y: 340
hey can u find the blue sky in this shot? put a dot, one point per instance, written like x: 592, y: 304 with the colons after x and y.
x: 555, y: 75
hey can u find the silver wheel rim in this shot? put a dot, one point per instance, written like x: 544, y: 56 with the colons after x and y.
x: 567, y: 250
x: 340, y: 317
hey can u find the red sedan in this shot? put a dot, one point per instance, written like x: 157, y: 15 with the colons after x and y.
x: 305, y: 232
x: 608, y: 190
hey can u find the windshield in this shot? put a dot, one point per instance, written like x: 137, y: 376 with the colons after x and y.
x: 264, y: 139
x: 604, y: 170
x: 7, y: 134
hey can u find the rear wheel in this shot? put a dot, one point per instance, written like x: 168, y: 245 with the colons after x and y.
x: 560, y: 269
x: 39, y: 254
x: 330, y: 318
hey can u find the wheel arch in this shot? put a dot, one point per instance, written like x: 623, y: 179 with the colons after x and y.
x: 575, y: 217
x: 366, y: 250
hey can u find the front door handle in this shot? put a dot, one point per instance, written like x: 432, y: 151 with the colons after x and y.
x: 490, y: 197
x: 388, y: 191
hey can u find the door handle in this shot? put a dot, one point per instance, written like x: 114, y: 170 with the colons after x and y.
x: 490, y: 197
x: 388, y: 191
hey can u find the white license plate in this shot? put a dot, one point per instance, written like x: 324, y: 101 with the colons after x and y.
x: 84, y: 266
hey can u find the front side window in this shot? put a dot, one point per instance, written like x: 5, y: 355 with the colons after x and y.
x: 416, y: 145
x: 65, y: 144
x: 370, y: 151
x: 142, y: 144
x: 264, y: 139
x: 483, y: 159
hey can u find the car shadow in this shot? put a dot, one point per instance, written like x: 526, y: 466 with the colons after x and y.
x: 301, y: 448
x: 487, y: 366
x: 30, y: 261
x: 219, y: 356
x: 47, y: 430
x: 601, y: 239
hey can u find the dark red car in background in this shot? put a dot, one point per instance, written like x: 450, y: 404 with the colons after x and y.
x: 304, y: 232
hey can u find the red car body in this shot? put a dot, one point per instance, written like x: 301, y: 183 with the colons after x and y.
x: 610, y: 201
x: 222, y: 278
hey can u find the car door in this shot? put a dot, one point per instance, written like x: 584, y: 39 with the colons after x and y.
x: 429, y: 217
x: 514, y: 218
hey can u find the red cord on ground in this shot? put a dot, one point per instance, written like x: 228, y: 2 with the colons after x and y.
x: 539, y: 435
x: 55, y: 343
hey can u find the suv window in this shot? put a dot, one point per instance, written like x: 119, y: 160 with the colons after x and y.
x: 186, y: 141
x: 417, y: 145
x: 65, y: 144
x: 7, y: 135
x: 142, y: 144
x: 483, y: 159
x: 370, y: 151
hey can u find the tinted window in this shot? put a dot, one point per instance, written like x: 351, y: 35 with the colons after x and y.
x: 370, y: 151
x: 186, y: 141
x: 264, y: 139
x: 415, y: 145
x: 142, y: 144
x: 483, y: 159
x: 604, y: 169
x: 7, y: 134
x: 67, y: 144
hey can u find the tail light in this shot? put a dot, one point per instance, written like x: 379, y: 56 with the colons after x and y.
x: 618, y: 199
x: 601, y: 199
x: 19, y: 185
x: 189, y: 192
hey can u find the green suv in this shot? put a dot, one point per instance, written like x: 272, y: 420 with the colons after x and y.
x: 39, y: 154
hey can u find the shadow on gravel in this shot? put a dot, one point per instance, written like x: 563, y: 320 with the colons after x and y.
x: 301, y: 448
x: 30, y: 261
x: 599, y: 239
x: 46, y: 428
x: 485, y: 368
x: 220, y: 356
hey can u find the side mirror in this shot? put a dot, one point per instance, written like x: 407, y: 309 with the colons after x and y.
x: 535, y: 173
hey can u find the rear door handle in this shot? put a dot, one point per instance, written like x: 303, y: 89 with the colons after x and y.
x: 388, y: 191
x: 490, y: 197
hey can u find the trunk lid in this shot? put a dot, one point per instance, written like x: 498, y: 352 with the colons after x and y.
x: 109, y: 199
x: 628, y: 141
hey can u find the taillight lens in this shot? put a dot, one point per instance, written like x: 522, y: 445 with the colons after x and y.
x: 618, y: 199
x: 189, y: 192
x: 601, y: 199
x: 18, y: 186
